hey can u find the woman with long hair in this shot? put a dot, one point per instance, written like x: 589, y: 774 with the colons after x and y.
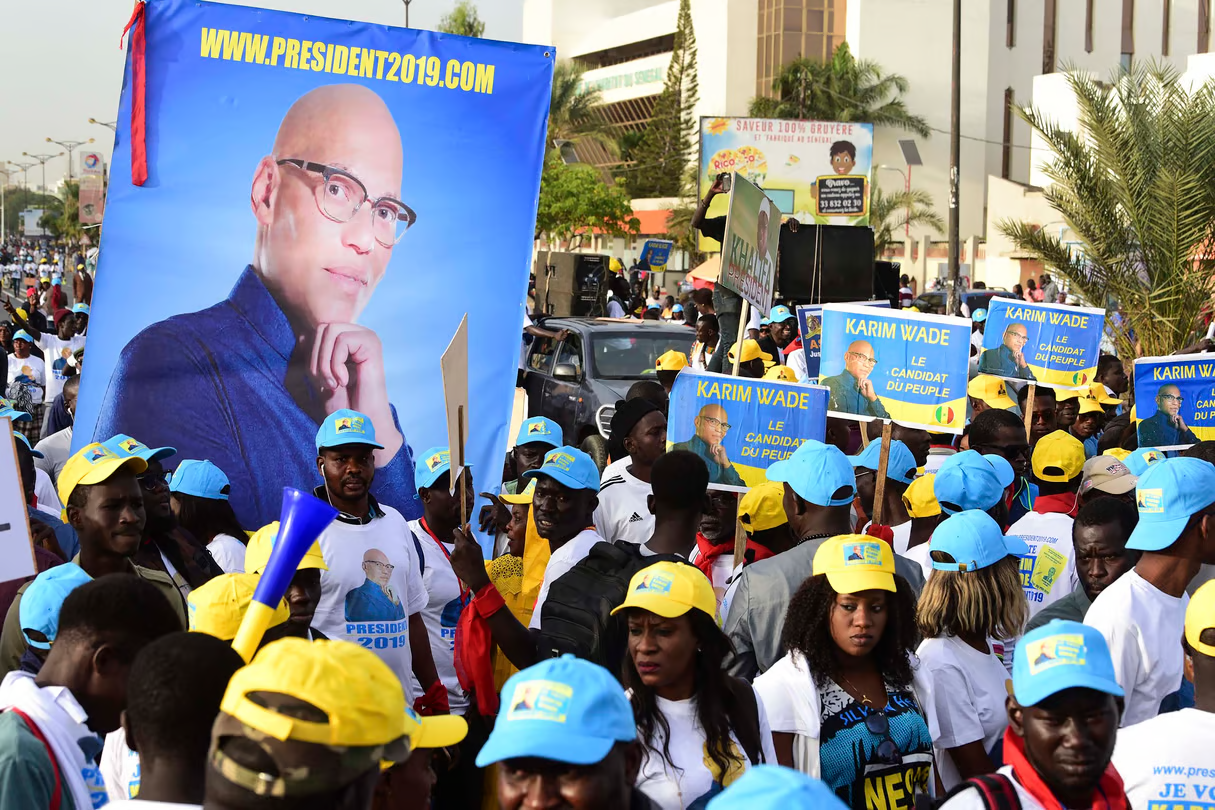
x: 701, y: 728
x: 973, y: 595
x: 198, y: 495
x: 847, y: 703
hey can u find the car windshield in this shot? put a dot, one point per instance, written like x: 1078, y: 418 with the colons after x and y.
x: 628, y: 355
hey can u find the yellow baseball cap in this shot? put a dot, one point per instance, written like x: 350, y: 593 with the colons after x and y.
x: 1064, y: 394
x: 671, y: 361
x: 520, y: 497
x: 670, y: 589
x: 1118, y: 453
x: 218, y: 607
x: 781, y: 373
x: 1200, y: 616
x: 25, y: 316
x: 1090, y: 405
x: 991, y: 390
x: 368, y: 719
x: 750, y: 351
x: 1058, y: 457
x: 1134, y: 418
x: 257, y: 552
x: 762, y: 507
x: 1097, y: 391
x: 856, y: 562
x: 920, y: 500
x: 93, y: 464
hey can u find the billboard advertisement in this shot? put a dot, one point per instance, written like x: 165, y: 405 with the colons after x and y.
x: 92, y: 199
x: 302, y: 244
x: 91, y: 163
x: 814, y: 171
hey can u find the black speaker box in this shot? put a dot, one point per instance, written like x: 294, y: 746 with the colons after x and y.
x: 845, y: 262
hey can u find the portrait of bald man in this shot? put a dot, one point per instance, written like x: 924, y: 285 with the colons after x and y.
x: 851, y: 390
x: 1008, y: 359
x: 1166, y: 427
x: 246, y: 382
x: 375, y: 600
x: 711, y: 428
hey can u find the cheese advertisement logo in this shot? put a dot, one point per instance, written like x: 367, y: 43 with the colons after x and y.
x: 1064, y: 649
x: 540, y: 700
x: 1150, y: 501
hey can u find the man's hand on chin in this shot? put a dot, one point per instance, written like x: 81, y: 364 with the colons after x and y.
x: 346, y: 365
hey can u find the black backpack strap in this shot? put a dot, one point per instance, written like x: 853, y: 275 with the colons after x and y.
x: 995, y: 789
x: 744, y: 719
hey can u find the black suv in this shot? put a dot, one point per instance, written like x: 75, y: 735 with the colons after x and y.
x: 576, y: 382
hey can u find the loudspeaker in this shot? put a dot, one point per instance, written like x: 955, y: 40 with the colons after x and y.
x: 886, y: 282
x: 845, y: 262
x: 571, y: 284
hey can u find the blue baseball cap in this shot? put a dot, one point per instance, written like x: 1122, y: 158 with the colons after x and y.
x: 431, y: 466
x: 1167, y: 496
x: 971, y: 480
x: 569, y: 466
x: 979, y: 315
x: 81, y: 308
x: 56, y: 280
x: 21, y: 437
x: 779, y: 313
x: 7, y: 409
x: 202, y: 479
x: 900, y: 466
x: 653, y: 306
x: 1139, y: 460
x: 124, y: 445
x: 677, y: 308
x: 21, y: 334
x: 816, y: 471
x: 563, y: 709
x: 773, y: 787
x: 539, y: 429
x: 346, y: 427
x: 40, y: 604
x: 765, y: 321
x: 974, y: 540
x: 1062, y: 655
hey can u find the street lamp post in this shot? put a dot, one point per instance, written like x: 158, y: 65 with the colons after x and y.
x: 407, y: 2
x: 907, y: 190
x: 113, y: 125
x: 25, y: 179
x: 42, y: 159
x: 70, y: 146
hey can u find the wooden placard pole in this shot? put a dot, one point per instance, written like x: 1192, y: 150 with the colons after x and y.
x: 463, y: 469
x: 879, y: 485
x: 1029, y: 410
x: 740, y: 532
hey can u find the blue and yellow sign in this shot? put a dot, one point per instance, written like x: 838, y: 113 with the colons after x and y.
x: 656, y: 252
x: 1050, y: 344
x: 740, y: 426
x: 810, y: 328
x: 906, y: 366
x: 1175, y: 400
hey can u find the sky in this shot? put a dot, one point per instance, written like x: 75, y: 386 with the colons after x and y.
x: 73, y: 66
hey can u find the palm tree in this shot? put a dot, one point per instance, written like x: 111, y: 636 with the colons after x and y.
x: 1137, y: 187
x: 572, y: 113
x: 842, y: 89
x: 890, y: 213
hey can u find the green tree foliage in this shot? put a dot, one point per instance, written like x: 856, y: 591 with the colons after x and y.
x: 463, y: 20
x: 1137, y: 187
x: 572, y: 114
x: 890, y: 213
x: 574, y: 199
x: 17, y: 199
x: 842, y: 89
x: 662, y: 156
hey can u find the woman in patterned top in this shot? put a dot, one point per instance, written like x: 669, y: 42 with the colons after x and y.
x: 847, y: 703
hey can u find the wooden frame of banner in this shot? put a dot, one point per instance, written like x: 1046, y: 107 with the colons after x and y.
x: 454, y: 368
x: 879, y: 484
x: 740, y: 532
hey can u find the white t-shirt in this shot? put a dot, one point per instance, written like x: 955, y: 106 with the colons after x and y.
x: 56, y: 450
x: 562, y: 560
x: 1048, y: 571
x: 229, y: 553
x: 1167, y: 760
x: 31, y: 367
x: 1143, y: 626
x: 694, y: 773
x: 796, y: 360
x: 968, y: 693
x: 44, y: 491
x: 615, y: 468
x: 119, y: 767
x: 921, y: 554
x: 56, y: 353
x: 973, y: 799
x: 623, y: 512
x: 442, y: 612
x: 373, y: 613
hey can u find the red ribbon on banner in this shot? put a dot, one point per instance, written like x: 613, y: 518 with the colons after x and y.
x: 139, y: 147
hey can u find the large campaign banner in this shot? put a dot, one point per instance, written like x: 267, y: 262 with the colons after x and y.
x: 1051, y: 344
x: 1175, y: 400
x: 815, y: 171
x: 740, y: 426
x: 304, y: 244
x: 810, y: 328
x: 906, y: 366
x: 749, y: 250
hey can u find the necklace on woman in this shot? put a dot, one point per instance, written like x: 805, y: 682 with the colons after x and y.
x: 853, y: 689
